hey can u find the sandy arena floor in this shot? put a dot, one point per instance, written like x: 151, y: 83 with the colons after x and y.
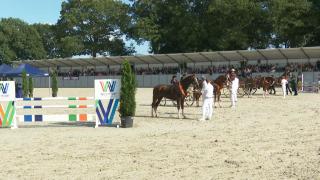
x: 262, y: 139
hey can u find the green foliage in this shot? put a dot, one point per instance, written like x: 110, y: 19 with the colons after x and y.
x: 174, y: 26
x: 291, y: 22
x: 128, y: 91
x: 30, y: 87
x: 49, y: 39
x: 98, y: 24
x: 19, y: 41
x: 70, y: 45
x: 54, y: 84
x: 25, y: 88
x: 171, y: 26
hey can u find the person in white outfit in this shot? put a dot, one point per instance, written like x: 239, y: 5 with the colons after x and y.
x: 207, y: 106
x: 234, y: 88
x: 284, y: 82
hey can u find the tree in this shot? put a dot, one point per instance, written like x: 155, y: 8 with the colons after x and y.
x: 30, y: 84
x: 167, y: 24
x: 54, y: 84
x: 19, y: 41
x: 127, y: 91
x: 291, y: 22
x: 25, y: 87
x: 97, y: 24
x: 314, y: 21
x: 49, y: 39
x: 238, y: 24
x: 177, y: 26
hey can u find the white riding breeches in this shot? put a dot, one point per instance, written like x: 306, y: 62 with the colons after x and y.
x: 233, y: 96
x: 284, y: 91
x: 207, y: 108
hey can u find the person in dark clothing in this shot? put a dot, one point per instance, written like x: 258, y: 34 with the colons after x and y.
x: 287, y: 87
x: 174, y: 80
x: 272, y: 88
x: 19, y: 92
x: 293, y: 84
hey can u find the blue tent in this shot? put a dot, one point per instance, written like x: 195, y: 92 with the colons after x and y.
x: 30, y: 70
x: 4, y: 68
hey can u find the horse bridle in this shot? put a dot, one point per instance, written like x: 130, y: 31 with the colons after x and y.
x: 196, y: 80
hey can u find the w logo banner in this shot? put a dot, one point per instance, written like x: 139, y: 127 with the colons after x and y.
x: 7, y: 91
x: 107, y: 96
x: 106, y: 116
x: 108, y: 86
x: 4, y: 88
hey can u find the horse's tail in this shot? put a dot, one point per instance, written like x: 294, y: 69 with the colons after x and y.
x: 153, y: 97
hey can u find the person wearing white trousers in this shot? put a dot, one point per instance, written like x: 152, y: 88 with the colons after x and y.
x: 207, y: 106
x: 283, y: 84
x: 234, y: 91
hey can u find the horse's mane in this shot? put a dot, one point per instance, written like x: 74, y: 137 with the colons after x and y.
x: 186, y: 81
x: 220, y: 80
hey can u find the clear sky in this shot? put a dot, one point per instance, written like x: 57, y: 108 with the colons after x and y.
x: 41, y: 11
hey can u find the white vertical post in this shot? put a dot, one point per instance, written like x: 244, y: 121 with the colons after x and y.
x: 49, y: 86
x: 302, y: 82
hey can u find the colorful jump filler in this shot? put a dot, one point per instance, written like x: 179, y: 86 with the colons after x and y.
x: 69, y: 117
x: 7, y: 113
x: 107, y: 91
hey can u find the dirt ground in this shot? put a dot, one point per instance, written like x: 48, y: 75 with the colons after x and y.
x: 270, y: 138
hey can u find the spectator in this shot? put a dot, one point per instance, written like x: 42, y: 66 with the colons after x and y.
x: 293, y: 84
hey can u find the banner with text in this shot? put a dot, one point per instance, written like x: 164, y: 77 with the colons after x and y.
x: 107, y: 88
x: 7, y: 91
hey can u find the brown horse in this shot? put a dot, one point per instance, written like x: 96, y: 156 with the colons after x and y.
x: 197, y: 92
x: 176, y: 92
x: 266, y: 83
x: 217, y: 84
x: 250, y: 84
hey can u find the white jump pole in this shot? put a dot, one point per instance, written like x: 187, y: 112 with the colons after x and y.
x: 49, y: 86
x: 302, y: 82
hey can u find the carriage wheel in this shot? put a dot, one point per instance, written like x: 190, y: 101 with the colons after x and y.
x: 226, y: 92
x: 246, y: 91
x: 163, y: 102
x: 189, y: 100
x: 241, y: 92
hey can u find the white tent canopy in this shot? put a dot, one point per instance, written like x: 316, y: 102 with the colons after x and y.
x: 217, y: 56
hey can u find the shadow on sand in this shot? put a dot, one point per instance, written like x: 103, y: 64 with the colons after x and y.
x: 64, y: 124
